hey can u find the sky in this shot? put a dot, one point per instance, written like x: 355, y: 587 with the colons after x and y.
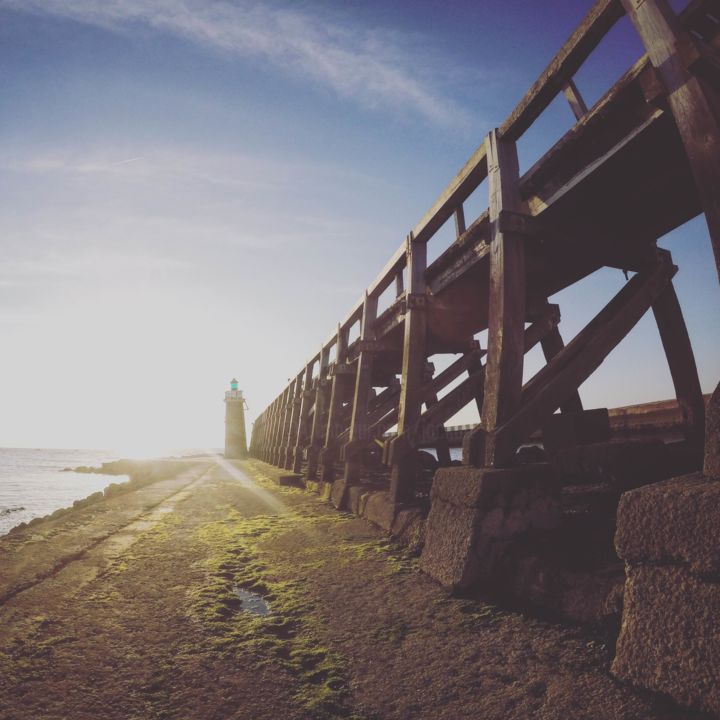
x: 195, y: 190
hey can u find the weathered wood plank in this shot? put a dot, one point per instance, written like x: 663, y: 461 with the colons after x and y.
x: 575, y: 100
x: 286, y: 457
x: 681, y: 361
x: 552, y: 344
x: 506, y: 302
x: 413, y: 366
x: 318, y: 429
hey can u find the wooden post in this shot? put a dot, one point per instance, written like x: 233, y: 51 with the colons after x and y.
x: 285, y: 410
x: 399, y: 284
x: 459, y: 220
x: 442, y: 447
x: 402, y: 456
x: 295, y: 403
x: 338, y: 393
x: 317, y: 429
x: 681, y: 360
x: 506, y: 304
x: 270, y: 442
x: 361, y: 399
x: 694, y: 104
x: 552, y: 344
x: 575, y: 99
x: 302, y: 426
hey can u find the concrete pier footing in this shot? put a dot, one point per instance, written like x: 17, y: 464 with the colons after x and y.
x: 476, y: 513
x: 669, y: 536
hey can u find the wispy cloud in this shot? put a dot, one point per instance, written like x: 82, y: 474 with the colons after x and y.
x: 374, y: 67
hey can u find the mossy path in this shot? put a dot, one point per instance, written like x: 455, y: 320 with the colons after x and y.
x: 159, y: 629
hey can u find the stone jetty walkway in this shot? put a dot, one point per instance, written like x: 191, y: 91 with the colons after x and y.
x: 214, y: 594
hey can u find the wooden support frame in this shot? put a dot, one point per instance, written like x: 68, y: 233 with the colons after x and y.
x: 626, y: 124
x: 560, y: 378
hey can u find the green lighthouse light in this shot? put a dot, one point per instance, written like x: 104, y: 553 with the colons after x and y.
x: 233, y: 384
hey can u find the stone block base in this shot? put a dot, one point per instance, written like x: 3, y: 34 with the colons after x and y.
x: 669, y: 536
x: 476, y: 513
x: 670, y: 636
x: 290, y: 480
x: 338, y: 494
x: 380, y: 509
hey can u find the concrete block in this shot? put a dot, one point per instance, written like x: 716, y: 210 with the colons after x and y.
x: 380, y: 509
x: 290, y: 480
x: 674, y: 521
x: 408, y: 528
x: 670, y: 635
x: 476, y: 512
x: 623, y: 464
x: 711, y: 467
x: 576, y: 428
x: 338, y: 494
x: 355, y: 493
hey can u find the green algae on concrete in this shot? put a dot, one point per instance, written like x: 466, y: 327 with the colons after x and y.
x: 286, y: 634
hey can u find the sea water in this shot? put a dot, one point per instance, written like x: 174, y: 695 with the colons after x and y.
x: 33, y: 484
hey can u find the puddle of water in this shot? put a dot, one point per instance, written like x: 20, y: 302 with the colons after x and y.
x: 251, y: 602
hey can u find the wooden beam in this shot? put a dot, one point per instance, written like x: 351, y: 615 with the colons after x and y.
x: 460, y: 226
x: 506, y: 302
x: 303, y: 429
x: 552, y: 344
x: 284, y: 425
x: 442, y: 447
x: 694, y: 104
x: 402, y: 474
x: 575, y: 100
x: 338, y: 395
x: 681, y: 360
x: 286, y: 458
x: 603, y: 15
x: 317, y: 429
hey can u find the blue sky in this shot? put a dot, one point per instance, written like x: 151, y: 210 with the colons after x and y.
x: 199, y: 189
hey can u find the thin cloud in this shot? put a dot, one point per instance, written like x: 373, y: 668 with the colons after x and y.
x: 375, y: 68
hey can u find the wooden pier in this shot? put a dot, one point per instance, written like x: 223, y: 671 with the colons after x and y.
x: 642, y: 161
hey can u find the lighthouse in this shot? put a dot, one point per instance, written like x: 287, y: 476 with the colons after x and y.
x: 235, y: 438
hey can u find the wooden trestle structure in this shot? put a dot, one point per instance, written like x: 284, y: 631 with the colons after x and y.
x: 642, y: 161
